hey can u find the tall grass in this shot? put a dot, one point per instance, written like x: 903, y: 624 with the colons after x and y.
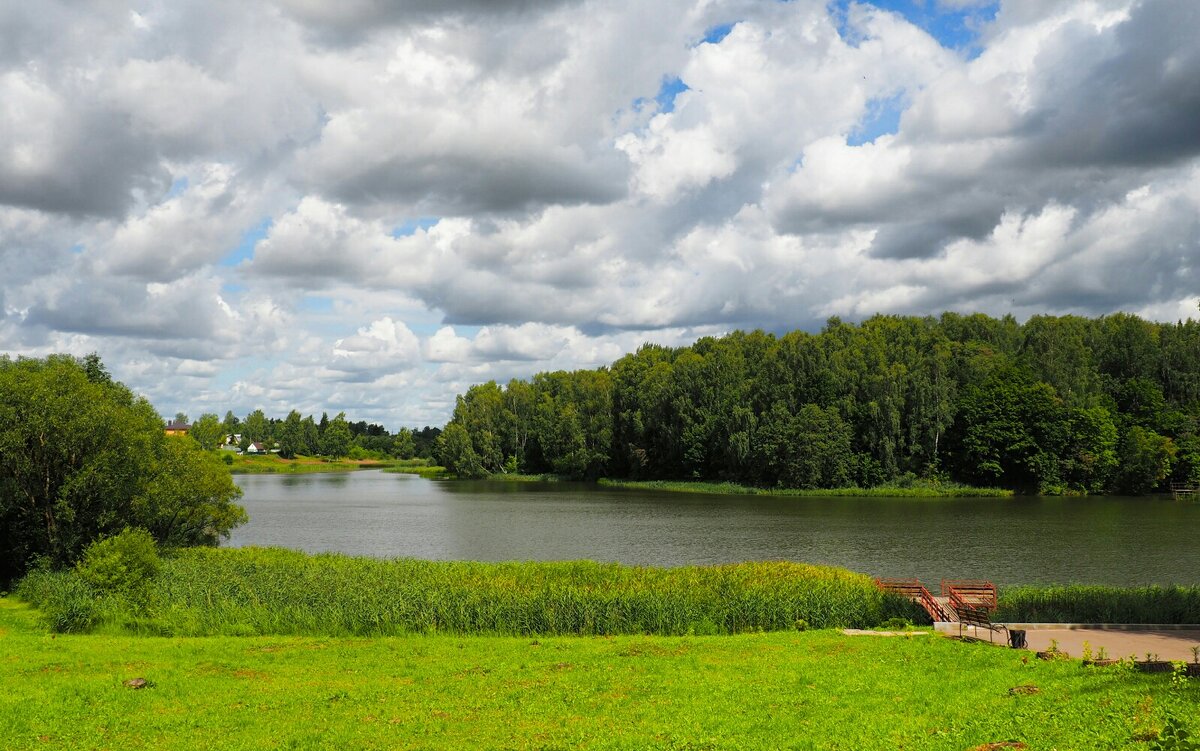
x: 275, y: 591
x: 1098, y: 604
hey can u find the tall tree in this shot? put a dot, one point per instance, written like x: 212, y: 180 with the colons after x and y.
x: 208, y: 432
x: 81, y: 457
x: 336, y: 440
x: 291, y: 436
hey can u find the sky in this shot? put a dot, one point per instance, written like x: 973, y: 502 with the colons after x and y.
x: 368, y: 206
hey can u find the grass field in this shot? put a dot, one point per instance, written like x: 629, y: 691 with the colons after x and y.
x: 244, y: 464
x: 916, y: 489
x: 814, y: 690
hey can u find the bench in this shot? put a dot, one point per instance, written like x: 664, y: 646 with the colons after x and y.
x: 974, y: 601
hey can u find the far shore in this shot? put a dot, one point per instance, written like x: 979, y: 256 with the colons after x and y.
x: 267, y: 464
x: 914, y: 489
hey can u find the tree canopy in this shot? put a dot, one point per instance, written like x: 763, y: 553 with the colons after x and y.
x: 82, y: 457
x: 1057, y: 404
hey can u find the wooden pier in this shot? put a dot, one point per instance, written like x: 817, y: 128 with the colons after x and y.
x: 1181, y: 490
x: 967, y: 602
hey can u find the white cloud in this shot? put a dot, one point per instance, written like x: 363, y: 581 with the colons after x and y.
x: 455, y: 192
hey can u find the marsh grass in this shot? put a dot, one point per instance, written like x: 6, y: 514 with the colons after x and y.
x: 1100, y: 604
x: 273, y: 464
x: 912, y: 489
x: 274, y: 591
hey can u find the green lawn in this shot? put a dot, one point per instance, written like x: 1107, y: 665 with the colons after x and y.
x: 814, y: 690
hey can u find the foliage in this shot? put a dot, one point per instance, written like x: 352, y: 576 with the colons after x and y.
x: 1100, y: 604
x: 205, y: 591
x: 81, y: 458
x: 291, y: 436
x: 1145, y: 460
x: 1057, y: 405
x: 456, y: 453
x: 208, y: 432
x: 122, y: 563
x: 335, y: 440
x: 816, y: 689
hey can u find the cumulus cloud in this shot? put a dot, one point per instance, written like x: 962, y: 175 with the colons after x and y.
x: 368, y: 209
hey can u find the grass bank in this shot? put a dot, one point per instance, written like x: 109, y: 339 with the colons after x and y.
x: 915, y: 489
x: 246, y: 464
x: 206, y: 591
x: 423, y: 467
x: 1097, y: 604
x: 816, y: 690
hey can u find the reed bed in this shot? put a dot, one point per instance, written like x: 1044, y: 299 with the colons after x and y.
x: 274, y: 591
x: 1099, y: 604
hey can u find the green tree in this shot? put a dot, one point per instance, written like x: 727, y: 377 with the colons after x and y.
x: 208, y: 432
x: 231, y: 424
x: 336, y: 440
x: 1146, y: 458
x: 255, y: 428
x: 81, y: 458
x: 810, y: 449
x: 403, y: 446
x: 291, y: 436
x: 311, y: 437
x: 456, y: 454
x: 1090, y: 457
x: 1012, y: 432
x: 181, y: 417
x: 190, y: 499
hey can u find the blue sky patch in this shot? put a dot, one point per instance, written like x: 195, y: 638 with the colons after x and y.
x: 178, y: 186
x: 245, y: 249
x: 410, y: 226
x: 316, y: 304
x: 717, y: 33
x: 956, y: 29
x: 671, y: 88
x: 882, y: 118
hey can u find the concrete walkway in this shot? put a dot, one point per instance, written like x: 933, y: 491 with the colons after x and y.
x: 1118, y: 641
x: 1168, y: 645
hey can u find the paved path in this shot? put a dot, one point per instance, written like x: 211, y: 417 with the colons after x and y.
x: 1168, y: 645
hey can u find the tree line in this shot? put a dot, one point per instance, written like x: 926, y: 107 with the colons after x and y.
x: 295, y: 435
x: 1055, y: 405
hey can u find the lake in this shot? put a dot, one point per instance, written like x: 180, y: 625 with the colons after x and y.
x: 1033, y: 540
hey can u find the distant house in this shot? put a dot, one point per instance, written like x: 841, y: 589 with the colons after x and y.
x: 177, y: 428
x: 256, y: 448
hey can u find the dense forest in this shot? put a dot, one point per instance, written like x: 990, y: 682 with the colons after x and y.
x: 1054, y: 405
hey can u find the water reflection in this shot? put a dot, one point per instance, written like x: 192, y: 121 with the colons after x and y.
x: 1020, y: 540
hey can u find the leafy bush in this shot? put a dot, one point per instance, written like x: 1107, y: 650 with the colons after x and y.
x: 122, y: 563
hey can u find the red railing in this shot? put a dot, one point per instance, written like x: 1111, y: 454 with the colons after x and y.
x: 970, y: 593
x: 914, y: 590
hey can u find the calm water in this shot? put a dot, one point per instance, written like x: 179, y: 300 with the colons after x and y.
x: 1021, y: 540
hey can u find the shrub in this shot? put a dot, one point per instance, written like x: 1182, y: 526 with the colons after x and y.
x: 121, y: 563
